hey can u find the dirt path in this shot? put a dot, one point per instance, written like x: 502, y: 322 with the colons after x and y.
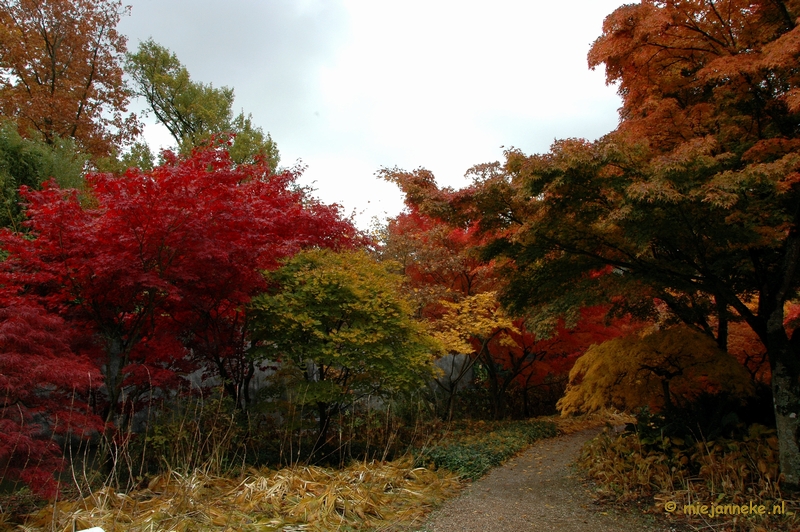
x: 538, y: 490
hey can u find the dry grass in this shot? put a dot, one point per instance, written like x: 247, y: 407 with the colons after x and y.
x: 628, y: 467
x: 364, y: 496
x: 200, y: 494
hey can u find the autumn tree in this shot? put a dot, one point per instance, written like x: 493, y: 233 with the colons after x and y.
x: 439, y: 259
x: 451, y: 287
x: 339, y: 320
x: 161, y: 265
x: 44, y: 385
x: 193, y: 111
x: 61, y: 61
x: 660, y: 370
x: 455, y: 288
x: 525, y: 362
x: 469, y: 327
x: 692, y: 201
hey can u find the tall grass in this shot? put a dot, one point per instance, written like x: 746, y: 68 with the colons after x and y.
x: 202, y: 464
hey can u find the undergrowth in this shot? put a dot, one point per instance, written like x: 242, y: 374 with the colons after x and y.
x: 670, y: 473
x: 198, y: 486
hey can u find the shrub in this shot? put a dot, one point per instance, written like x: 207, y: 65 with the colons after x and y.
x: 647, y: 465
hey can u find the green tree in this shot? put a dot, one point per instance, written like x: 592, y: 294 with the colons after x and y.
x: 193, y: 111
x: 340, y: 321
x: 138, y: 155
x: 28, y: 162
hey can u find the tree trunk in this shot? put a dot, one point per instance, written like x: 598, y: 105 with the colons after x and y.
x: 786, y: 399
x: 248, y: 377
x: 324, y: 412
x: 785, y: 368
x: 667, y: 394
x: 491, y: 376
x: 112, y: 375
x: 497, y: 390
x: 767, y: 323
x: 526, y: 412
x: 722, y: 323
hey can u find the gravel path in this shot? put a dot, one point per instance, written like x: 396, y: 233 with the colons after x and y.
x: 538, y: 490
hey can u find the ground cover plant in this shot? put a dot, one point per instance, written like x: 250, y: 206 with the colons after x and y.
x: 472, y: 448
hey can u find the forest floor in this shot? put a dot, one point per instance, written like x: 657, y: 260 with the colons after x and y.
x: 538, y: 490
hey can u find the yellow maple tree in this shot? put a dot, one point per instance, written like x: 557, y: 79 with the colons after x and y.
x: 658, y: 370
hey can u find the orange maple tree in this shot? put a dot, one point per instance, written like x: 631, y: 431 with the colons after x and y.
x: 61, y: 61
x: 713, y: 89
x: 439, y: 249
x: 691, y: 70
x: 693, y: 200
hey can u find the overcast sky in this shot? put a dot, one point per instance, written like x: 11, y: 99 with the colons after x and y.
x: 350, y: 86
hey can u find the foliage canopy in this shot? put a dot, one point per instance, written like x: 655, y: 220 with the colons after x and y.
x: 661, y: 369
x: 30, y: 163
x: 62, y: 60
x: 340, y: 319
x: 192, y: 111
x: 692, y: 202
x: 160, y: 265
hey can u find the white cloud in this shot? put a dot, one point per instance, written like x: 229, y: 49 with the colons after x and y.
x: 350, y: 86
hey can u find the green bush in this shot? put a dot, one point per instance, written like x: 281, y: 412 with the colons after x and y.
x: 472, y: 449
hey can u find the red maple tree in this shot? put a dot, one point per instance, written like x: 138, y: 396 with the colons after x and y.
x: 44, y: 386
x: 536, y: 366
x: 154, y: 269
